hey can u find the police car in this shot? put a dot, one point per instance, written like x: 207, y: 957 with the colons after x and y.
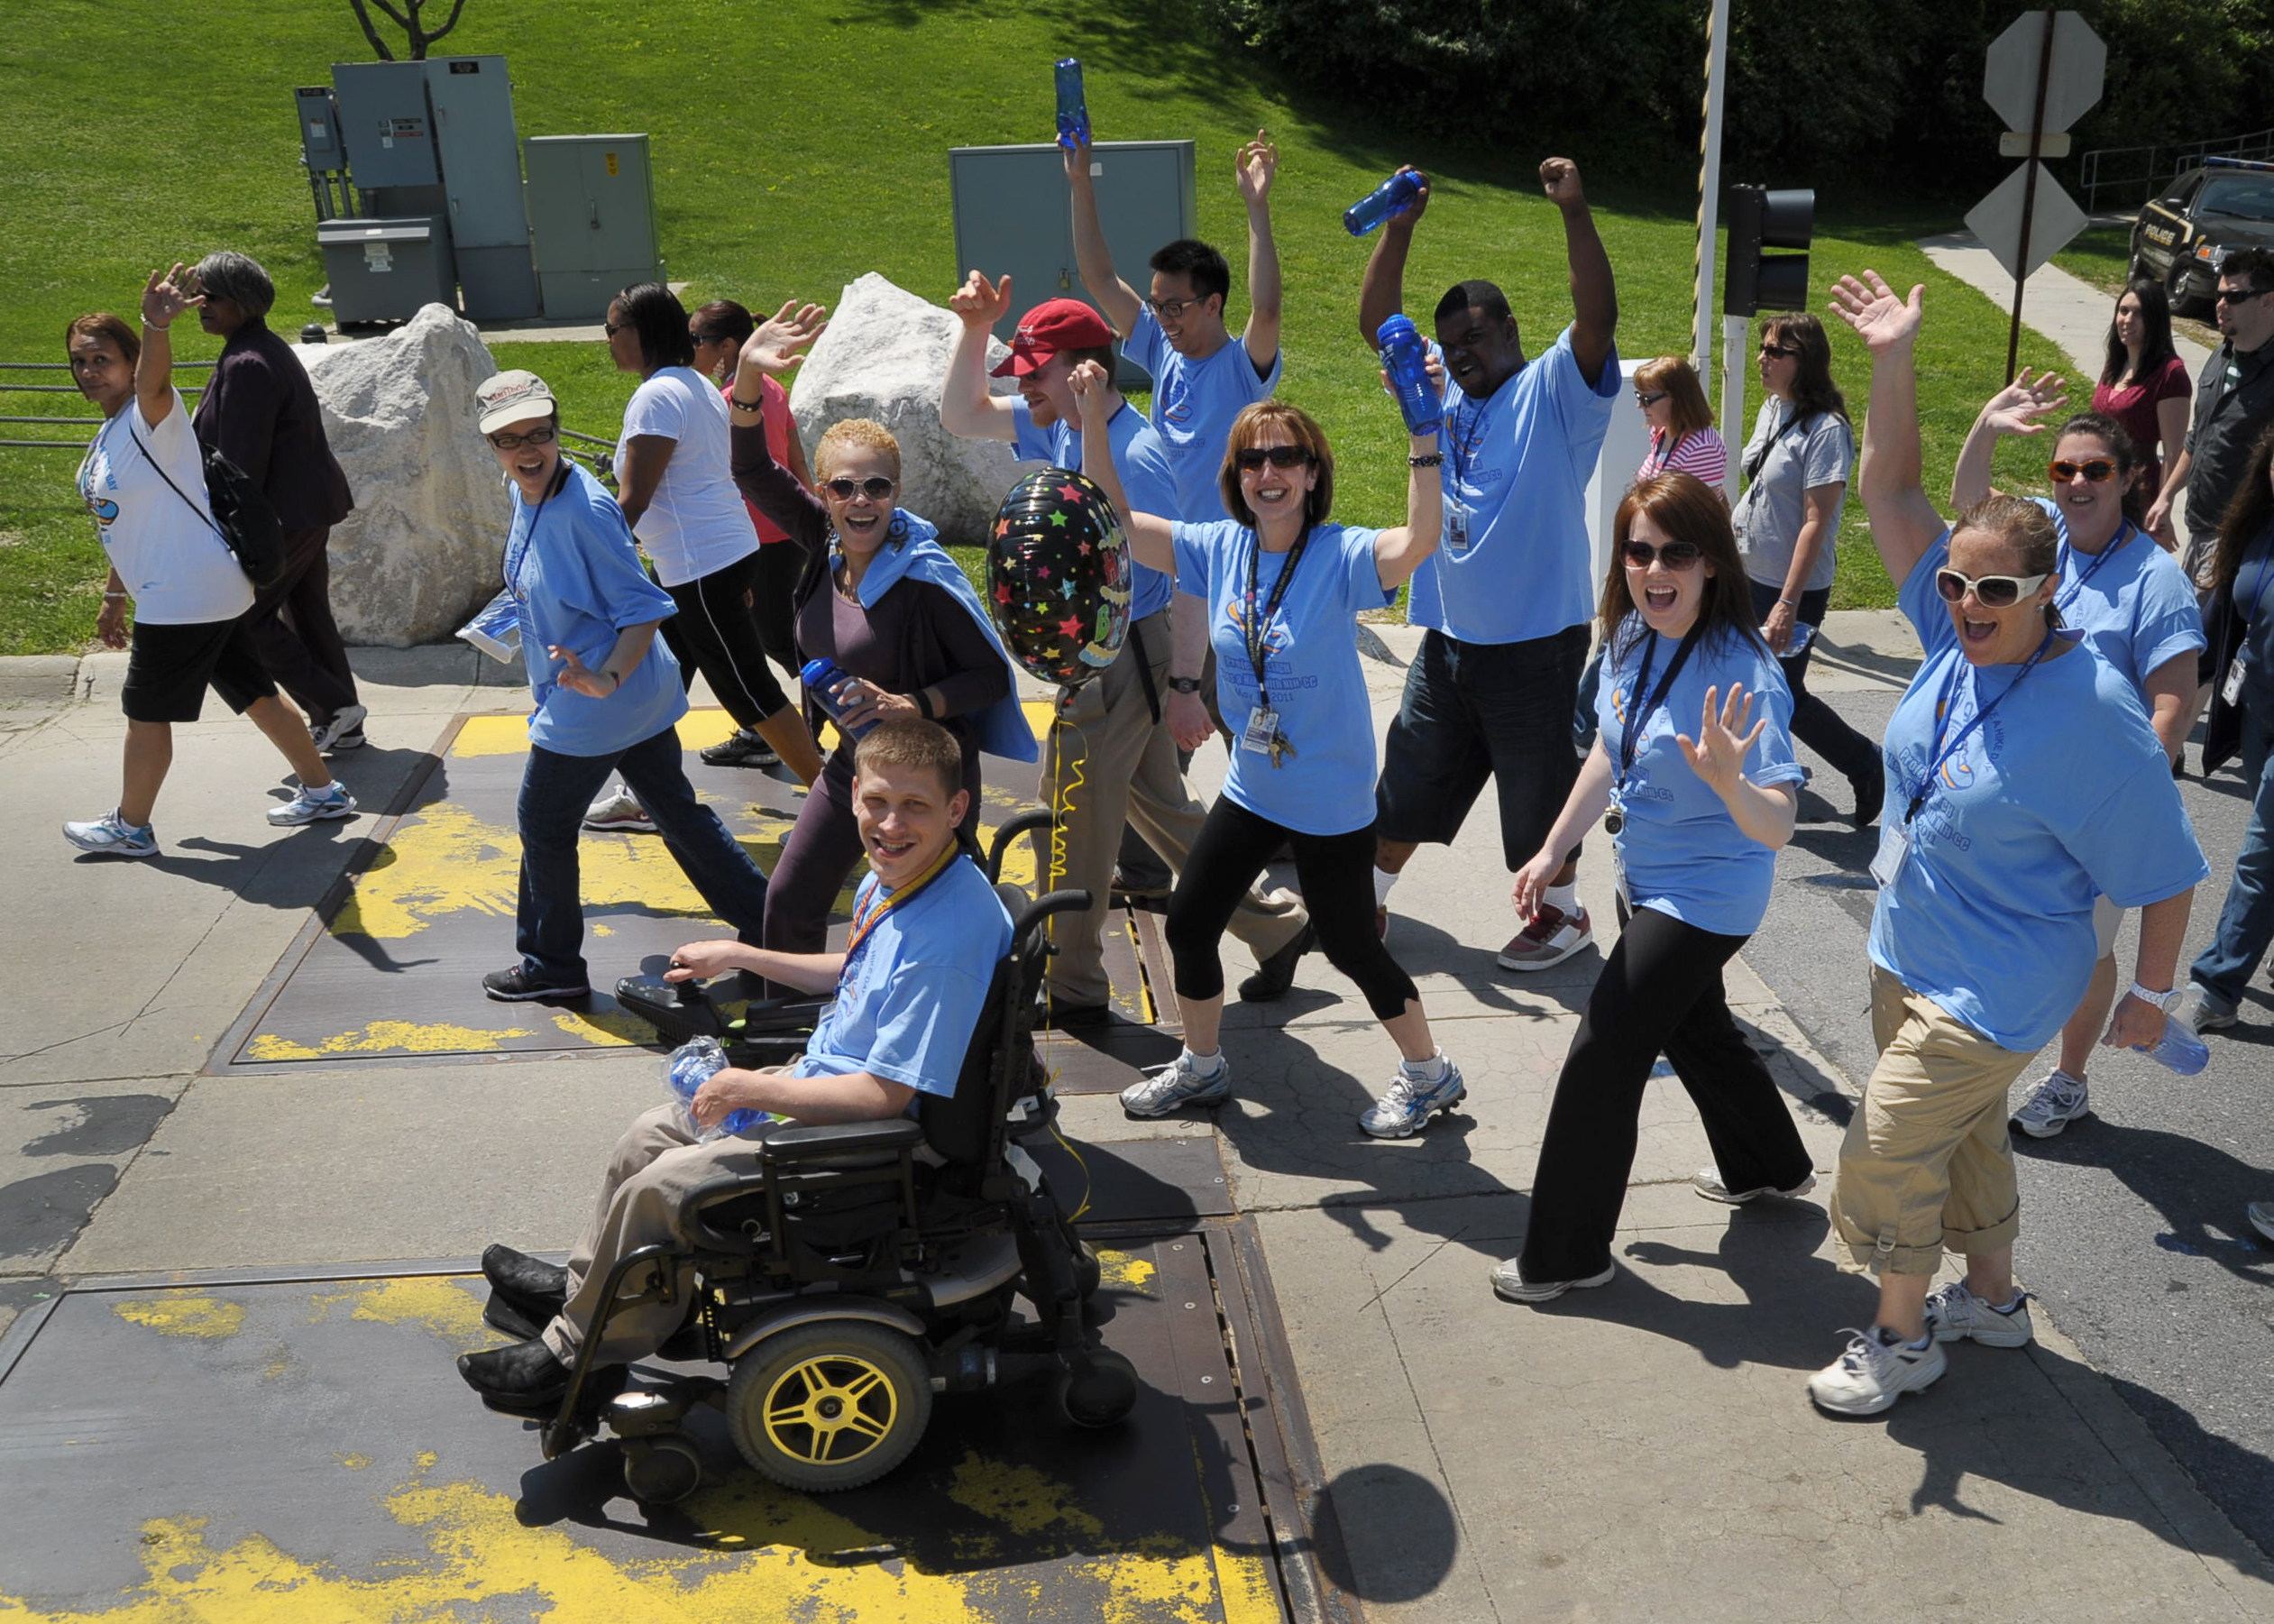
x: 2181, y: 236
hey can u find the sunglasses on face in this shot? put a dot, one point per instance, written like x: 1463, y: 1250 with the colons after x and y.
x: 700, y: 339
x: 1648, y: 400
x: 2096, y: 470
x: 1781, y: 351
x: 875, y: 488
x: 1252, y: 457
x: 535, y: 436
x: 2235, y: 296
x: 1990, y: 591
x: 1674, y: 555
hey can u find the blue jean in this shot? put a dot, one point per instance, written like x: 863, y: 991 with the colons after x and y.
x: 2246, y: 920
x: 555, y: 789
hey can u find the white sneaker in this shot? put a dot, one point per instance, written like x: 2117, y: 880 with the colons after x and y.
x: 1179, y: 1083
x: 619, y: 811
x: 1954, y: 1314
x: 1508, y: 1281
x: 307, y: 805
x: 111, y: 836
x: 1411, y: 1101
x: 345, y: 731
x: 1873, y: 1372
x: 1707, y: 1182
x: 2261, y: 1216
x: 2055, y: 1103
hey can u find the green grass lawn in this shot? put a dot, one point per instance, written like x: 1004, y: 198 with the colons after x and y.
x: 833, y: 164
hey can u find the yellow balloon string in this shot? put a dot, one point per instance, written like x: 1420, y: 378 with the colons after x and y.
x: 1061, y: 805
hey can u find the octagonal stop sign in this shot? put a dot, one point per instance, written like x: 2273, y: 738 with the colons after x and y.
x: 2072, y: 84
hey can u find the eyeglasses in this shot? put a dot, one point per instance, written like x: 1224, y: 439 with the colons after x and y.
x: 875, y: 488
x: 2097, y: 470
x: 1169, y: 309
x: 2235, y: 296
x: 1252, y: 457
x: 1990, y: 591
x: 613, y: 327
x: 1676, y: 554
x: 535, y: 436
x: 705, y: 338
x: 1785, y: 350
x: 1650, y: 399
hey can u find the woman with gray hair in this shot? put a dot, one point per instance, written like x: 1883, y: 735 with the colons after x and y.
x: 260, y: 411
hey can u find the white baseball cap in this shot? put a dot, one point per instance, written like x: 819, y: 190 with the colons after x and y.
x: 511, y: 398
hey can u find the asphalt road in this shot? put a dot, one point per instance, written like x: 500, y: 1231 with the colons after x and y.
x: 2134, y: 1235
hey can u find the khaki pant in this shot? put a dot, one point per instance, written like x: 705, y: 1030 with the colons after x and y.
x: 1110, y: 763
x: 1927, y: 1163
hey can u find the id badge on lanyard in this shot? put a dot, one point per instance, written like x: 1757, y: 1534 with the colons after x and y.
x: 1895, y: 846
x: 1457, y: 531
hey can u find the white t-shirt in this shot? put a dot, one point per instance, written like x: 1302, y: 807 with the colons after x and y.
x: 163, y: 545
x: 696, y: 522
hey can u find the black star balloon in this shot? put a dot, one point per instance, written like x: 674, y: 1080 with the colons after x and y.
x: 1057, y: 577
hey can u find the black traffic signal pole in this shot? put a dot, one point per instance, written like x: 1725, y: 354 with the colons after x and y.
x: 2028, y: 195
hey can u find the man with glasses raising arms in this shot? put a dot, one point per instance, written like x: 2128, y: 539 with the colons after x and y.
x: 2233, y: 404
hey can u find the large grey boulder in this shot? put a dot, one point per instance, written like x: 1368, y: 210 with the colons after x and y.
x: 884, y: 357
x: 420, y: 552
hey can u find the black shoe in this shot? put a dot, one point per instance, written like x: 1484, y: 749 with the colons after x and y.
x: 1871, y: 793
x: 537, y: 1289
x: 519, y: 1378
x: 1141, y: 884
x: 516, y: 986
x: 1058, y: 1016
x: 1276, y: 973
x: 500, y: 1314
x: 744, y: 748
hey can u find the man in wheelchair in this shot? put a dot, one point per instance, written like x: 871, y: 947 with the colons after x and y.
x: 928, y: 932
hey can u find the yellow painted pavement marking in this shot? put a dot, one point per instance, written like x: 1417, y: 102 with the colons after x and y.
x: 436, y: 1302
x: 607, y: 1029
x: 1126, y: 1272
x: 387, y: 1037
x: 184, y: 1312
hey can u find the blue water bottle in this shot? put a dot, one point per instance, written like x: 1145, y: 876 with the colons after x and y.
x: 2179, y: 1048
x: 1073, y: 113
x: 822, y: 679
x: 1394, y: 195
x: 692, y: 1064
x: 1406, y: 361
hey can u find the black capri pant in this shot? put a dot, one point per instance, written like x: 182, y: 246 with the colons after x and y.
x: 1337, y: 873
x: 716, y: 632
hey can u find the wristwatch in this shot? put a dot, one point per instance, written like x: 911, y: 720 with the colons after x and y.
x: 2160, y: 1000
x: 1185, y: 684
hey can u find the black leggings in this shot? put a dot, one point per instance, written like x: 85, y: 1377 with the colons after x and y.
x: 1815, y: 723
x: 716, y: 632
x: 1337, y: 873
x: 1660, y: 992
x: 780, y: 564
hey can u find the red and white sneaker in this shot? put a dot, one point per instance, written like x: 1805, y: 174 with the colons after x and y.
x: 1551, y: 937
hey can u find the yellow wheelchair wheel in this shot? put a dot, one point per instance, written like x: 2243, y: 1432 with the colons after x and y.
x: 831, y: 1405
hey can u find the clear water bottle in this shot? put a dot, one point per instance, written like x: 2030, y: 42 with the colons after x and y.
x: 1073, y: 112
x: 822, y: 678
x: 1406, y: 361
x: 1394, y: 195
x: 692, y: 1064
x: 2179, y: 1049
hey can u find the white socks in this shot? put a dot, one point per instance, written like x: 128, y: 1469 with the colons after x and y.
x: 1203, y: 1065
x: 1564, y: 898
x: 1383, y: 881
x: 1431, y: 1070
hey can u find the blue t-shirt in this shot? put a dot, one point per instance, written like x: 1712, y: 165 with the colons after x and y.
x: 2131, y: 599
x: 1515, y: 563
x: 1310, y: 664
x: 2063, y: 792
x: 1680, y: 849
x: 909, y: 1000
x: 1193, y: 405
x: 1145, y: 479
x: 578, y: 582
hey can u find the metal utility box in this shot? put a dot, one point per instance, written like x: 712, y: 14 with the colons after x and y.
x: 471, y: 100
x: 591, y: 218
x: 387, y: 270
x: 319, y: 127
x: 384, y: 121
x: 1012, y: 213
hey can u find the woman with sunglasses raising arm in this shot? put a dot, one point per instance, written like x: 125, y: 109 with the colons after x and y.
x: 2135, y: 604
x: 2023, y: 780
x: 880, y: 598
x: 1284, y: 589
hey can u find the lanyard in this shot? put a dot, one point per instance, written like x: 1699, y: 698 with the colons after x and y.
x: 2257, y: 599
x: 2103, y: 556
x: 871, y: 913
x: 1256, y: 633
x: 516, y: 556
x: 1636, y: 719
x: 1658, y: 463
x: 1942, y: 721
x: 1465, y: 445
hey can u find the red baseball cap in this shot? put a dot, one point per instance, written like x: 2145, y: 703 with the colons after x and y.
x: 1054, y: 324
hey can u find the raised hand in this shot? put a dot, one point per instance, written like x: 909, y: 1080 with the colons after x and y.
x: 979, y: 302
x: 1559, y: 177
x: 166, y: 296
x: 1090, y: 383
x: 1718, y: 755
x: 1077, y: 160
x: 1881, y: 320
x: 1255, y: 168
x: 1407, y: 218
x: 779, y: 344
x: 2015, y: 408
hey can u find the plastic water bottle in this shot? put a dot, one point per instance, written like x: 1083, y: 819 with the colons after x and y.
x: 2179, y: 1049
x: 692, y: 1064
x: 497, y: 629
x: 822, y: 679
x: 1406, y: 361
x: 1394, y: 195
x: 1073, y: 112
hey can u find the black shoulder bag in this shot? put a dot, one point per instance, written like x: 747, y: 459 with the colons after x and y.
x: 242, y: 517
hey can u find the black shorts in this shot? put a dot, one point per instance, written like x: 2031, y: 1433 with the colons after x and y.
x: 1478, y: 711
x: 170, y: 668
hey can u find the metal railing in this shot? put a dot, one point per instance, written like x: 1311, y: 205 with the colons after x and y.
x: 2138, y: 173
x: 89, y: 423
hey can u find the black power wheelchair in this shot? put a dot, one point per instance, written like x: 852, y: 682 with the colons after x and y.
x: 862, y: 1268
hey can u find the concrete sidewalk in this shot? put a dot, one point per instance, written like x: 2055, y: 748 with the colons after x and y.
x: 1641, y: 1451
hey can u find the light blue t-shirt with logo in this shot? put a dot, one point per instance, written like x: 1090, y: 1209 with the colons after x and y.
x: 1145, y: 479
x: 1326, y: 787
x: 1514, y: 562
x: 1193, y: 405
x: 2064, y: 791
x: 2131, y: 599
x: 910, y: 997
x: 1680, y: 850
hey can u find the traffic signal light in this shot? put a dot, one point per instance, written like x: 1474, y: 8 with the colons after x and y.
x: 1758, y: 219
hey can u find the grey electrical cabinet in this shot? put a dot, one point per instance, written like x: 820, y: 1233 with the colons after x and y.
x: 387, y: 270
x: 473, y: 104
x: 1012, y: 214
x: 384, y: 121
x: 591, y: 218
